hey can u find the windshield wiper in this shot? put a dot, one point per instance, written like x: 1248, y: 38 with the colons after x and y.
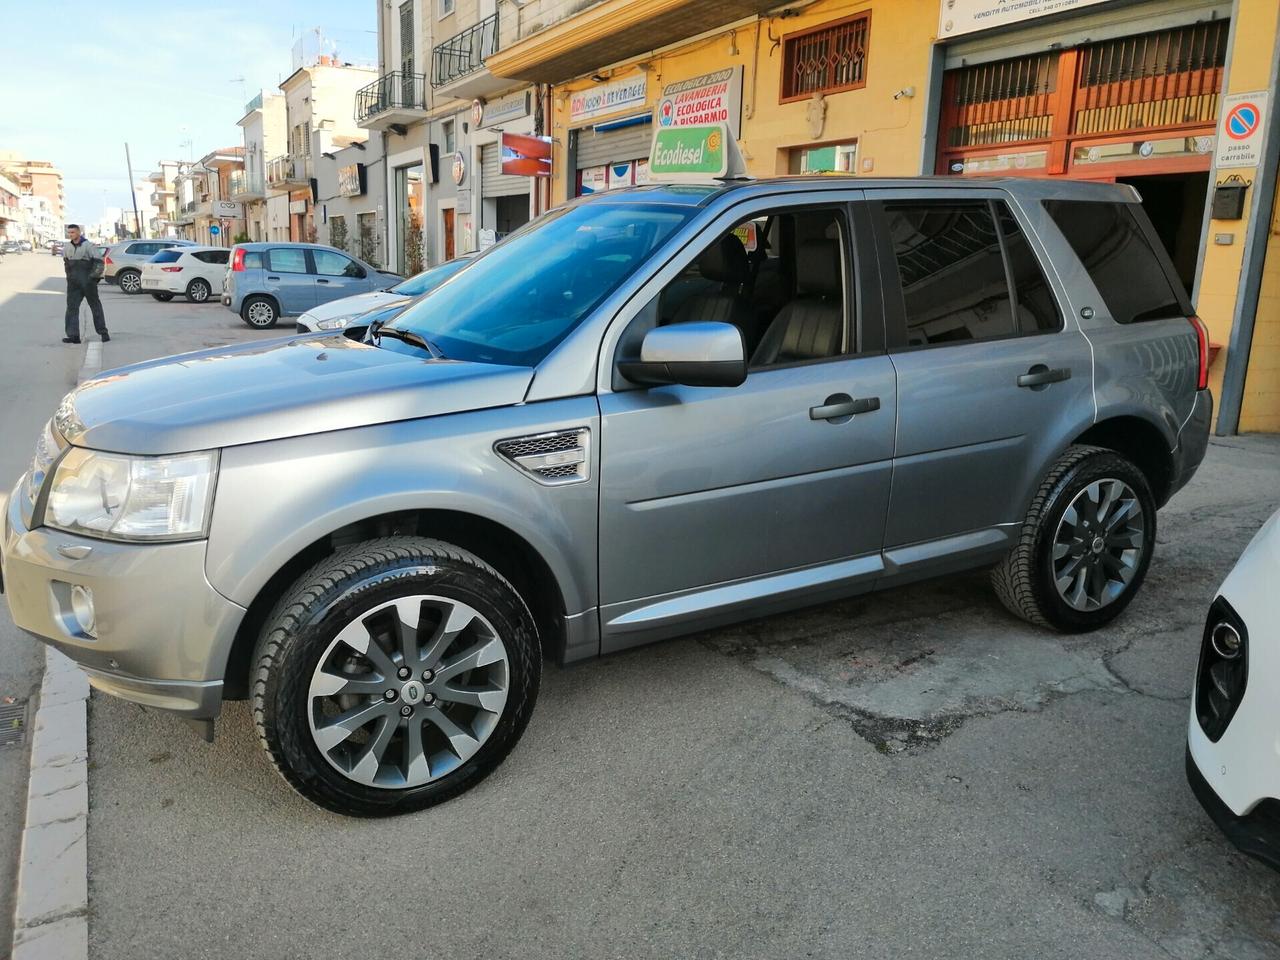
x: 378, y: 330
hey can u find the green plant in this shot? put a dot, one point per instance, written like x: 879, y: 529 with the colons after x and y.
x: 338, y: 232
x: 241, y: 237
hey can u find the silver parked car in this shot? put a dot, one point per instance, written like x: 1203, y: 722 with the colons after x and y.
x: 649, y: 412
x: 123, y: 261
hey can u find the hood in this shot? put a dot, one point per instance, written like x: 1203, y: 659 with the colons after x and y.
x: 360, y: 303
x: 275, y: 389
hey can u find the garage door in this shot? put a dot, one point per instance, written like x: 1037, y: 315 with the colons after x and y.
x: 598, y: 147
x: 493, y: 183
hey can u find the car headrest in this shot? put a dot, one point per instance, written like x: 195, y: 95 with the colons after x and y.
x: 725, y: 261
x: 818, y: 268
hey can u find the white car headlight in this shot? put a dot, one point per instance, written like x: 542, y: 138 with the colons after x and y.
x: 47, y: 448
x: 119, y: 497
x: 334, y: 323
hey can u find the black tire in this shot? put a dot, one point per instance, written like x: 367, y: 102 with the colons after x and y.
x: 162, y: 297
x: 198, y: 291
x: 130, y: 281
x: 259, y: 312
x: 334, y: 593
x: 1025, y: 581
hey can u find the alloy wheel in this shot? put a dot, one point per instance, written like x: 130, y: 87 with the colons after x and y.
x: 261, y: 314
x: 408, y: 691
x: 130, y: 282
x: 199, y: 291
x: 1098, y: 547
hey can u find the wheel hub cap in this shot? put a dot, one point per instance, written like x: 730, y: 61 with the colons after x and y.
x: 1099, y: 544
x: 380, y: 731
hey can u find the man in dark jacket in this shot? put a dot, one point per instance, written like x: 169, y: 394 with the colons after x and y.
x: 83, y: 264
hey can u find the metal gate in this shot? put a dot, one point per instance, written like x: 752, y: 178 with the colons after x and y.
x: 596, y: 148
x: 493, y: 182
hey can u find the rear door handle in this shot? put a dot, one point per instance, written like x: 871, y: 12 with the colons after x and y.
x: 1042, y: 376
x: 273, y: 278
x: 841, y: 406
x: 322, y: 281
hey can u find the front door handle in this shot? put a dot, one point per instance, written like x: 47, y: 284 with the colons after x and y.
x: 841, y: 406
x: 1041, y: 376
x: 322, y: 281
x: 273, y: 278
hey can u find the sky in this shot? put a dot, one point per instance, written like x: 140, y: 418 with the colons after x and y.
x: 78, y: 80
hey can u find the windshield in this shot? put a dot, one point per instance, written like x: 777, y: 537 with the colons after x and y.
x: 420, y: 283
x: 515, y: 303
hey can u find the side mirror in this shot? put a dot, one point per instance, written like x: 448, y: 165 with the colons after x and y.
x: 694, y: 354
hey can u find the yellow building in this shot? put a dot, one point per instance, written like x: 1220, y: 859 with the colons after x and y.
x: 1128, y: 91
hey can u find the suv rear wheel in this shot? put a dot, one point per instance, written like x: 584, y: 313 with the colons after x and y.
x: 130, y: 281
x: 259, y: 312
x: 198, y: 291
x: 1085, y: 544
x: 394, y: 675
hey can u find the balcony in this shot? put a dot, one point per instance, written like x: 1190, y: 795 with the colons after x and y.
x: 393, y: 99
x: 458, y: 65
x: 290, y: 170
x: 247, y: 185
x: 567, y: 40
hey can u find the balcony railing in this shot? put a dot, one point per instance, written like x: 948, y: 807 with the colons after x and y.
x: 254, y: 104
x: 246, y: 184
x: 290, y: 168
x: 464, y: 52
x: 390, y: 92
x: 190, y: 206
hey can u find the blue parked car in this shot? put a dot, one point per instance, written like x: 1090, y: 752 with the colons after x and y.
x: 267, y: 281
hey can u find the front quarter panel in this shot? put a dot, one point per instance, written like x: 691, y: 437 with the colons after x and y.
x: 276, y: 498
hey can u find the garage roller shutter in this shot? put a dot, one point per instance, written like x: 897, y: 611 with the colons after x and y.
x: 492, y: 181
x: 629, y: 143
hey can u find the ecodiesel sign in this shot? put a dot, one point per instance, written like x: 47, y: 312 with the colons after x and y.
x: 710, y: 98
x: 958, y: 17
x: 693, y: 154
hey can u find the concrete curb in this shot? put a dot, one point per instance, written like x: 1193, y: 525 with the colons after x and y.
x: 51, y: 917
x: 91, y: 365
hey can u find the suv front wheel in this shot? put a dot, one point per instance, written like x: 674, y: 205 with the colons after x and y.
x: 394, y: 675
x: 130, y: 281
x: 1084, y: 546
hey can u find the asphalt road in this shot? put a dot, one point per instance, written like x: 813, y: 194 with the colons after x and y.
x: 910, y: 774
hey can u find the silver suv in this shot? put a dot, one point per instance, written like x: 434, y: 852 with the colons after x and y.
x: 646, y: 413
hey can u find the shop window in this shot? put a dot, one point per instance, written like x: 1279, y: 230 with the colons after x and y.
x: 825, y: 59
x: 832, y: 158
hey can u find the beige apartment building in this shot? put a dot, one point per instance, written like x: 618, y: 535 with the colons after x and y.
x: 36, y: 177
x: 265, y: 131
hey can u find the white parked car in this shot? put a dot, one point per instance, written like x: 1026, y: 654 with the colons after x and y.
x: 192, y: 272
x: 336, y: 314
x: 1232, y: 759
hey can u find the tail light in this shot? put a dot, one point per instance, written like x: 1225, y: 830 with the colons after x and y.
x: 107, y: 259
x: 171, y: 269
x: 1202, y: 343
x: 237, y: 259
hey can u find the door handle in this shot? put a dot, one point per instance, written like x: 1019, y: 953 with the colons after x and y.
x: 273, y: 278
x: 322, y: 281
x: 1041, y: 376
x: 841, y: 406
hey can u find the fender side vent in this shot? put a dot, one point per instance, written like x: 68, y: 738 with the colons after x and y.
x: 563, y: 456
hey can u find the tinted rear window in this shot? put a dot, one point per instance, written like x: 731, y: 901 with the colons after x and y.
x: 166, y: 256
x: 1116, y: 251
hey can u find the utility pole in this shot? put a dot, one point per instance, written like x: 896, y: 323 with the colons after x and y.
x: 133, y: 193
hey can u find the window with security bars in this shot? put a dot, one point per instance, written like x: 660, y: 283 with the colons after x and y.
x: 826, y: 59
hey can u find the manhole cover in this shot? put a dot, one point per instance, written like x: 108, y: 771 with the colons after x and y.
x: 13, y: 722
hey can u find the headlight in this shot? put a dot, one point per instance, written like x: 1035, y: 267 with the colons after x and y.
x: 132, y: 498
x: 47, y: 448
x: 333, y: 323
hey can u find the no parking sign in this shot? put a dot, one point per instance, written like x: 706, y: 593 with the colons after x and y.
x: 1240, y: 129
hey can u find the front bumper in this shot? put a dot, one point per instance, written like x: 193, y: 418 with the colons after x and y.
x: 163, y: 633
x: 1257, y: 833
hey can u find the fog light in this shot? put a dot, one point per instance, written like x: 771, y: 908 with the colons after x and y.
x: 82, y: 609
x: 1226, y: 641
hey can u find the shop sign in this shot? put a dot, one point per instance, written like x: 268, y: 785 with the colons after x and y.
x: 351, y: 180
x: 620, y: 175
x: 504, y: 109
x: 694, y: 154
x: 459, y: 168
x: 1240, y: 129
x: 525, y: 156
x: 594, y: 180
x: 608, y: 98
x: 958, y: 17
x: 462, y: 203
x: 227, y: 209
x: 710, y: 98
x: 642, y: 173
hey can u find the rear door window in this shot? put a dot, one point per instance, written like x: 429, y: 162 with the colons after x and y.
x: 287, y: 260
x: 1121, y: 259
x: 166, y: 256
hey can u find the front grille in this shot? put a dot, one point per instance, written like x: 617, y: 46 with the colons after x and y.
x: 1221, y: 678
x: 550, y: 458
